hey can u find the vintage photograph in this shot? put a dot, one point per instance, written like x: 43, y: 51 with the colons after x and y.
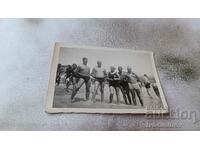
x: 104, y: 80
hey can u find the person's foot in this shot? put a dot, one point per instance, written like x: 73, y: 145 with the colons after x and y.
x: 72, y: 100
x: 135, y: 104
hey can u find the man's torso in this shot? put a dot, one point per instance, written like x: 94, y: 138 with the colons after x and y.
x: 99, y: 72
x: 84, y: 70
x: 133, y: 77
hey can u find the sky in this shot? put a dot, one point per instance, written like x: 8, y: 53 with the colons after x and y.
x: 140, y: 62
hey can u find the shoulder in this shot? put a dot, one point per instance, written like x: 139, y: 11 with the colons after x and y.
x: 94, y: 69
x: 80, y: 66
x: 116, y: 73
x: 134, y: 74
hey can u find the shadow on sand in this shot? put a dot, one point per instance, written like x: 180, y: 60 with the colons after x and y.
x: 78, y: 100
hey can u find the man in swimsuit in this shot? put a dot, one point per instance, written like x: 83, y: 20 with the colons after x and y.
x: 82, y: 72
x: 134, y: 85
x: 99, y: 74
x: 70, y: 76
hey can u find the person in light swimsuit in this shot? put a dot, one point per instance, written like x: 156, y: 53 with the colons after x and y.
x: 99, y: 75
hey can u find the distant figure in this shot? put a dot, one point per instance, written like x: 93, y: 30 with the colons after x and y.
x: 70, y: 76
x: 113, y: 79
x: 134, y: 86
x: 58, y: 73
x: 82, y: 72
x: 99, y: 74
x: 147, y: 84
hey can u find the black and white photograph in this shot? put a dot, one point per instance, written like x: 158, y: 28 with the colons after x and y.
x: 104, y: 80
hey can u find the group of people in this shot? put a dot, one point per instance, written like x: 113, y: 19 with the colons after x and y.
x: 127, y: 82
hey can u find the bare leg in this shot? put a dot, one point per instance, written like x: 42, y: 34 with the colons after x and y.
x: 124, y: 94
x: 96, y: 87
x: 155, y: 88
x: 139, y: 96
x: 102, y: 91
x: 133, y: 96
x: 117, y: 94
x: 128, y: 95
x: 76, y: 88
x: 68, y: 83
x: 111, y: 93
x: 149, y: 92
x: 87, y: 87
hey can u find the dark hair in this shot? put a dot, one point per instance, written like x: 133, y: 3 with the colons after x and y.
x: 84, y: 58
x: 120, y: 67
x: 74, y: 66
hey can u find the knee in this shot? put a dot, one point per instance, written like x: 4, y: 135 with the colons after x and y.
x: 102, y: 90
x: 111, y: 90
x: 117, y: 92
x: 88, y: 89
x: 96, y: 83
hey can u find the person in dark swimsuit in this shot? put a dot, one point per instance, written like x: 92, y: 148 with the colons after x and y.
x: 71, y: 78
x: 83, y: 73
x: 113, y: 79
x: 123, y: 85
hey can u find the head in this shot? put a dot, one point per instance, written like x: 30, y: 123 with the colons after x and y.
x: 59, y: 65
x: 99, y: 63
x: 129, y: 70
x: 145, y: 75
x: 74, y: 66
x: 112, y: 69
x: 69, y: 67
x: 120, y: 68
x: 85, y: 60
